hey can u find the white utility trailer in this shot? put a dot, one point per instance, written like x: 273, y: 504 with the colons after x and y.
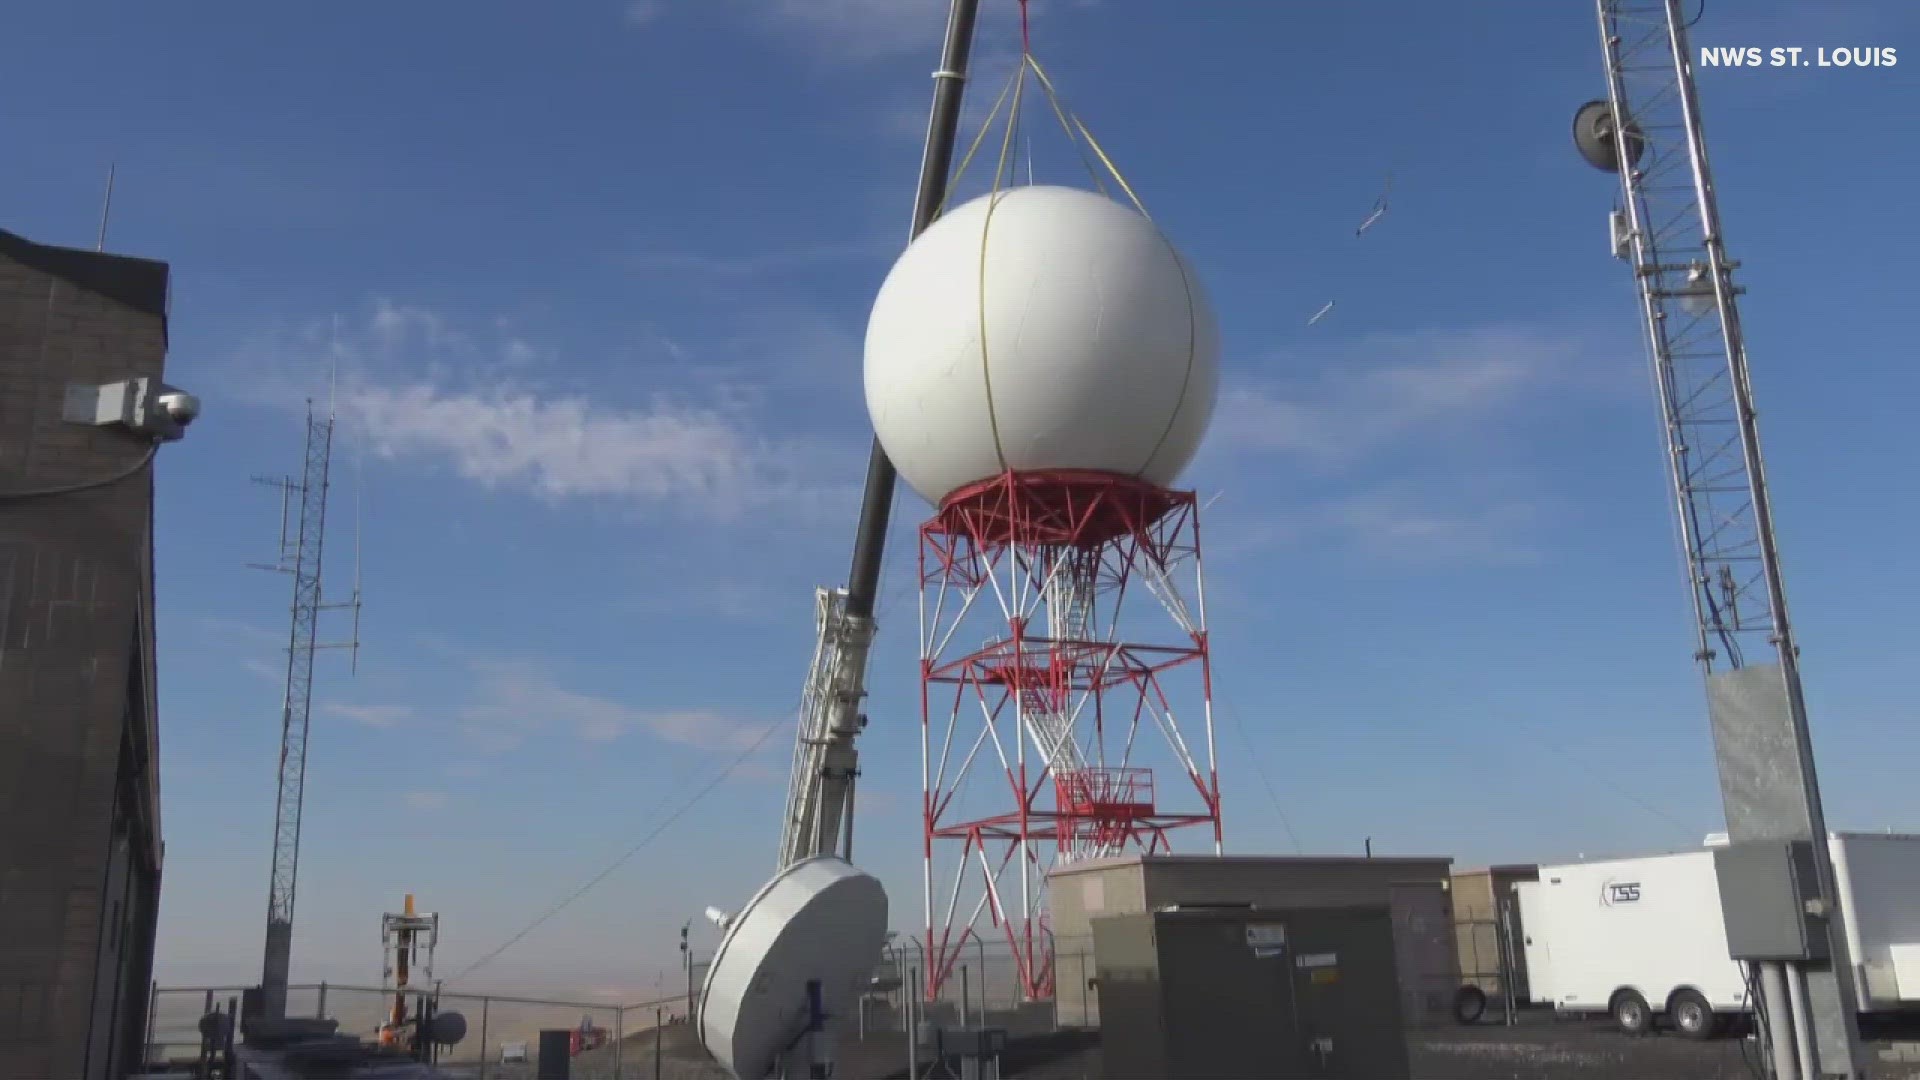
x: 1640, y: 938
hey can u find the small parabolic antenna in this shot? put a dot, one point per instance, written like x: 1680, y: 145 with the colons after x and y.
x: 447, y: 1028
x: 819, y: 920
x: 1593, y: 135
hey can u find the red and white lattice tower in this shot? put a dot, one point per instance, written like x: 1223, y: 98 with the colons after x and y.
x: 1041, y: 363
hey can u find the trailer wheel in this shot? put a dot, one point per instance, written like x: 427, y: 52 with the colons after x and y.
x: 1469, y: 1004
x: 1692, y: 1015
x: 1631, y: 1012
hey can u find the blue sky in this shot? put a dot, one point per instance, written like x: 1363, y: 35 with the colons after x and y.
x: 595, y: 274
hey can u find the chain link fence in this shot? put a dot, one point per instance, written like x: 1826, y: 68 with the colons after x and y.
x: 647, y: 1040
x: 643, y: 1040
x: 652, y: 1040
x: 985, y: 986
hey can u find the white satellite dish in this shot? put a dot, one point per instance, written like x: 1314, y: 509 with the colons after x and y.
x: 817, y: 920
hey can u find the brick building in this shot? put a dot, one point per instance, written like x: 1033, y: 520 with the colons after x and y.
x: 79, y: 754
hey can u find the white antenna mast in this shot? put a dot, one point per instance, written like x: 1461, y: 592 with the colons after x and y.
x: 359, y: 487
x: 106, y: 207
x: 359, y: 514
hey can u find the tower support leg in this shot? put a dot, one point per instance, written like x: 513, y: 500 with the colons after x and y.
x: 1066, y: 701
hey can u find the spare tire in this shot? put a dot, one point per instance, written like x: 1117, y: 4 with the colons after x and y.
x: 1469, y: 1004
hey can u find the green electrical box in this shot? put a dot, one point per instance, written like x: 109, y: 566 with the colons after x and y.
x: 1231, y: 994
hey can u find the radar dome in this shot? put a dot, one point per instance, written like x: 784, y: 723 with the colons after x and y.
x: 1040, y: 328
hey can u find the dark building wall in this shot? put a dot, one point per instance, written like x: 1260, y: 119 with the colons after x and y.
x: 79, y: 795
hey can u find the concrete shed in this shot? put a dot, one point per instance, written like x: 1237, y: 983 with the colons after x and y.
x: 1478, y: 896
x: 1415, y: 890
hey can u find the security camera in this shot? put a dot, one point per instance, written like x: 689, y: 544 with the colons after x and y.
x: 144, y: 405
x: 179, y: 406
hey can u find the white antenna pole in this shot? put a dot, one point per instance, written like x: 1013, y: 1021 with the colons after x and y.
x: 359, y: 503
x: 106, y: 207
x: 333, y: 366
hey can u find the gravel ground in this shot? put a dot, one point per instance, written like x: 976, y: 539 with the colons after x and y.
x: 1543, y: 1048
x: 1539, y: 1047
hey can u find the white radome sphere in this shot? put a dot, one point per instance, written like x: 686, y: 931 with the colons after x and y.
x: 1101, y: 349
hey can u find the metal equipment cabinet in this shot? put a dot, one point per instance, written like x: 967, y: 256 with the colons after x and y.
x: 1212, y: 994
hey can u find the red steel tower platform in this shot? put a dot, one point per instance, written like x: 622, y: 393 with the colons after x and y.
x: 1059, y: 656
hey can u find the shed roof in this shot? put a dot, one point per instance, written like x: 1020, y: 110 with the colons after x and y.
x: 1270, y: 862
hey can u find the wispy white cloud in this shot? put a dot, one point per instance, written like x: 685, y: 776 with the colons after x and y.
x: 426, y: 800
x: 233, y: 633
x: 373, y: 716
x: 1414, y: 430
x: 870, y: 800
x: 774, y: 261
x: 860, y: 30
x: 1381, y: 389
x: 516, y: 699
x: 418, y: 389
x: 642, y: 12
x: 260, y: 652
x: 506, y: 436
x: 1395, y: 524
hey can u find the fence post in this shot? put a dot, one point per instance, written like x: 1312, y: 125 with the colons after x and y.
x: 619, y: 1043
x: 966, y: 996
x: 153, y: 1014
x: 1507, y: 960
x: 320, y: 1010
x: 233, y: 1032
x: 980, y: 945
x: 903, y: 1013
x: 913, y: 1027
x: 659, y: 1039
x: 486, y: 1004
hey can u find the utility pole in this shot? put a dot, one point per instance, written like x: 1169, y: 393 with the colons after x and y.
x: 686, y: 962
x: 1648, y: 132
x: 302, y: 545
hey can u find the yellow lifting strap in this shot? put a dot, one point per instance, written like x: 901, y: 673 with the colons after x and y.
x: 1067, y: 115
x: 1077, y: 132
x: 1082, y: 140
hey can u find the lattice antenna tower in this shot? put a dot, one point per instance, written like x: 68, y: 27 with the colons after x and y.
x: 1667, y: 226
x: 303, y: 530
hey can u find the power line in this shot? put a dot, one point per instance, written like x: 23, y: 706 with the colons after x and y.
x: 649, y: 838
x: 1253, y: 758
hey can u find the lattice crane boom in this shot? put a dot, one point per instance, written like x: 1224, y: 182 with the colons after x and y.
x: 826, y: 765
